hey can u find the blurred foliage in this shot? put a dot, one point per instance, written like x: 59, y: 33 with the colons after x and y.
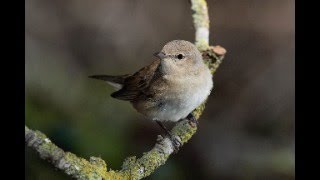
x: 247, y: 129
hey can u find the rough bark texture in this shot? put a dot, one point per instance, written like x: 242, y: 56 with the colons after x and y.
x: 133, y: 167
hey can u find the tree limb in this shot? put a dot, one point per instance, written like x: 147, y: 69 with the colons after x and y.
x: 132, y: 167
x: 201, y: 23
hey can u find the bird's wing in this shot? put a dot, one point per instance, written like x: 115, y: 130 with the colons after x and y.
x: 134, y: 86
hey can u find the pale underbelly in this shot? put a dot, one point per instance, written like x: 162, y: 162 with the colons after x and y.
x: 176, y: 102
x: 171, y: 109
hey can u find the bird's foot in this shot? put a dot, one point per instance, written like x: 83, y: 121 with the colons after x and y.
x: 175, y: 143
x: 192, y: 120
x: 174, y: 140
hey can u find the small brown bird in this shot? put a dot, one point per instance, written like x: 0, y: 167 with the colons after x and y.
x: 168, y: 89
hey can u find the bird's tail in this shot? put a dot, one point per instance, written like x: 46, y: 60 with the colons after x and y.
x: 115, y: 81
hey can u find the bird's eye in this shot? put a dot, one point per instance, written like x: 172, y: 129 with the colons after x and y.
x: 180, y: 56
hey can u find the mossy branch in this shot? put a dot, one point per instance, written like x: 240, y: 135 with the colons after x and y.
x: 201, y: 23
x: 134, y: 168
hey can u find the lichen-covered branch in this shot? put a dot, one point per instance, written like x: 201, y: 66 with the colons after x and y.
x: 201, y: 23
x: 133, y: 167
x: 72, y: 165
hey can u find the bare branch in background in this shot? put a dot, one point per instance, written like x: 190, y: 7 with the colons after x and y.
x: 132, y: 167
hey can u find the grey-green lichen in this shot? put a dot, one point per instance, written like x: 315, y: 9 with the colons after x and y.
x: 68, y: 162
x: 201, y: 43
x: 201, y: 23
x: 200, y: 15
x: 213, y: 56
x: 144, y: 166
x: 184, y: 130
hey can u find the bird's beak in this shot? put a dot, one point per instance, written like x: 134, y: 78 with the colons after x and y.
x: 159, y: 55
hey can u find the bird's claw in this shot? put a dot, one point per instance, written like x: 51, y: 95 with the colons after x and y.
x: 192, y: 120
x: 175, y: 143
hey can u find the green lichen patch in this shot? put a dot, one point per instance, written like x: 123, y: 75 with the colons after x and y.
x: 198, y: 111
x: 202, y: 44
x: 184, y: 131
x: 83, y: 169
x: 212, y: 59
x: 151, y: 160
x: 139, y: 168
x: 200, y: 15
x: 96, y: 161
x: 129, y: 162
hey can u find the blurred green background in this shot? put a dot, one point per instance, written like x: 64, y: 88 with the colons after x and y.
x: 247, y: 129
